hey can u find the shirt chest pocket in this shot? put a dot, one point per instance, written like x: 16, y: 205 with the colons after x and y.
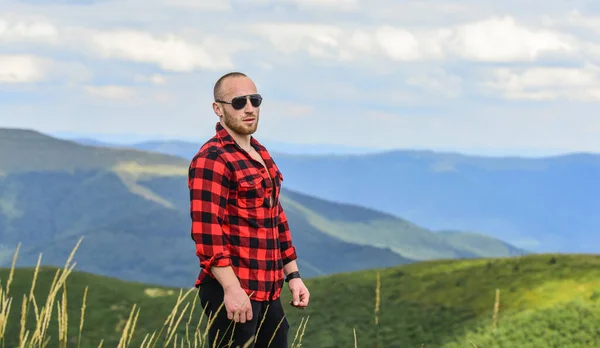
x: 251, y: 192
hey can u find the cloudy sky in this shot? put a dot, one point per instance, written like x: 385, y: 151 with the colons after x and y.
x: 466, y: 75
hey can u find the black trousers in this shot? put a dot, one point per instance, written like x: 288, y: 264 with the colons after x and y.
x: 273, y: 329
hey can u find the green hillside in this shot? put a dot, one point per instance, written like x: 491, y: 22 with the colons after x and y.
x: 27, y: 150
x: 130, y: 204
x: 543, y: 301
x: 531, y: 301
x: 126, y: 233
x: 349, y: 222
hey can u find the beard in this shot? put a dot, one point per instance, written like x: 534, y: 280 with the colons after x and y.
x: 238, y: 126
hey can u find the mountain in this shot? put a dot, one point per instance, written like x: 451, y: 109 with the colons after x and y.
x: 187, y: 149
x: 543, y: 204
x: 532, y: 301
x: 133, y: 209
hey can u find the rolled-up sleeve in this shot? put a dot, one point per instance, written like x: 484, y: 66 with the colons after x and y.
x: 208, y: 183
x: 288, y: 251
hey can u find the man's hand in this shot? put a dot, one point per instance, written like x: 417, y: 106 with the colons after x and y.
x: 237, y: 304
x: 300, y: 294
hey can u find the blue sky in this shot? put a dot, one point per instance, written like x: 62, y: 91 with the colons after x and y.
x: 463, y: 75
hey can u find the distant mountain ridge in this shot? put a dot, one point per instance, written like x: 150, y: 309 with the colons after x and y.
x: 187, y: 149
x: 543, y: 204
x: 133, y: 209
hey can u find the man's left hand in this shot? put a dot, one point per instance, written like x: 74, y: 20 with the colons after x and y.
x: 300, y: 294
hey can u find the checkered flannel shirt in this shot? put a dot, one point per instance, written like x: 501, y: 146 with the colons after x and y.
x: 233, y: 223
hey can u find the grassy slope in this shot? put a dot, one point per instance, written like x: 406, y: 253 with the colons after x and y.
x: 545, y: 300
x: 108, y: 305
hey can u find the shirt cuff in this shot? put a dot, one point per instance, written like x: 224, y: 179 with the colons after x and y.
x: 217, y: 260
x: 289, y: 255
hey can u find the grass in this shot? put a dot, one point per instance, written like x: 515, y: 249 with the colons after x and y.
x: 51, y: 325
x: 532, y: 301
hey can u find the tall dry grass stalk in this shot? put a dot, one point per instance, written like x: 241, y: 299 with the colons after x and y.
x: 82, y: 316
x: 377, y: 298
x: 496, y: 310
x: 303, y: 327
x: 171, y: 332
x: 377, y: 304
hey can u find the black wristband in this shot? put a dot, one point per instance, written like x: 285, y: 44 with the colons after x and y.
x: 292, y: 275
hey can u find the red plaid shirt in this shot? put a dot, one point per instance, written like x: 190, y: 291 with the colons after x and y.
x: 233, y: 223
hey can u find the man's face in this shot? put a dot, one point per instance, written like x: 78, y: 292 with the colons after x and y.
x: 245, y: 120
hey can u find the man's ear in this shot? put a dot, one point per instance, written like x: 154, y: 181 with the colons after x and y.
x: 217, y: 109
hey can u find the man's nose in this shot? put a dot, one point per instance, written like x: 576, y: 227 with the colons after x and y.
x: 249, y: 108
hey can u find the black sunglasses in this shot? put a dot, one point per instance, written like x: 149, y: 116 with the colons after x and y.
x: 239, y: 102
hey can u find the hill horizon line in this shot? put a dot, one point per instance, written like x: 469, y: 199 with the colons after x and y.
x: 87, y: 140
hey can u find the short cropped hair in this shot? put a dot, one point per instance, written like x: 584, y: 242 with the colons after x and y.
x: 217, y: 88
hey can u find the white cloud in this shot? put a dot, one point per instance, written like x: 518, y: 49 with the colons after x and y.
x: 170, y: 52
x: 28, y: 68
x: 495, y: 39
x: 490, y: 40
x: 319, y: 40
x: 167, y: 50
x: 27, y: 30
x: 21, y: 68
x: 403, y: 45
x: 504, y: 40
x: 543, y: 83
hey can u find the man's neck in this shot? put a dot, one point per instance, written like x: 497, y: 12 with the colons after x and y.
x: 242, y: 140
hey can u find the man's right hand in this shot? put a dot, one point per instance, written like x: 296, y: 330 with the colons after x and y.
x: 237, y: 304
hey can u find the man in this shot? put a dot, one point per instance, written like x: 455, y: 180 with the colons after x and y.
x: 239, y: 227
